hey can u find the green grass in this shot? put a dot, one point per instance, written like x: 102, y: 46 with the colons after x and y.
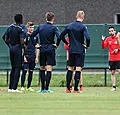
x: 59, y: 80
x: 92, y: 101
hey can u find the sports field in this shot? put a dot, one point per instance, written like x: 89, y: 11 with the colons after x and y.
x: 92, y: 101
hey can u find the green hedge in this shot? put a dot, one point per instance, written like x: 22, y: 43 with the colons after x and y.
x: 59, y: 80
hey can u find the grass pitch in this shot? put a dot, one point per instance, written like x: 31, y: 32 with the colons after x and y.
x: 92, y: 101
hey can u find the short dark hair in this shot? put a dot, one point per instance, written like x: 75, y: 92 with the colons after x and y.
x: 111, y: 27
x: 18, y: 18
x: 49, y: 16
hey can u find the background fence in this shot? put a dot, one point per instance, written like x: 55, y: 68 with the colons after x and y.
x: 96, y: 57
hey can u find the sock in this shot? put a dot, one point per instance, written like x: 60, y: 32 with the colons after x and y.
x: 48, y: 78
x: 77, y: 79
x: 68, y: 79
x: 16, y: 78
x: 114, y: 87
x: 42, y: 76
x: 23, y: 77
x: 81, y: 85
x: 11, y: 78
x: 29, y: 78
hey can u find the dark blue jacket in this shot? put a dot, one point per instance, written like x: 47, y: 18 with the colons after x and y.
x: 30, y: 51
x: 76, y: 32
x: 47, y: 34
x: 13, y: 33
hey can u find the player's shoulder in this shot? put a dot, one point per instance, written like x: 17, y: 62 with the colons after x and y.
x: 11, y: 25
x: 14, y: 26
x: 109, y: 37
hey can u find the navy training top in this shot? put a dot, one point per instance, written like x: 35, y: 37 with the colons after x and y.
x: 76, y: 32
x: 47, y: 34
x: 13, y: 33
x: 30, y: 51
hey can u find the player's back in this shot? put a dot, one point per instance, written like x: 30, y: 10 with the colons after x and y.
x: 13, y: 33
x: 47, y: 33
x: 76, y: 35
x: 75, y: 31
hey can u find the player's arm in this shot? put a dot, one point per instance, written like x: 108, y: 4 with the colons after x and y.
x: 37, y: 50
x: 118, y: 38
x: 104, y: 42
x: 37, y: 55
x: 5, y: 38
x: 25, y: 59
x: 22, y: 39
x: 62, y: 36
x: 57, y: 33
x: 35, y: 32
x: 87, y: 36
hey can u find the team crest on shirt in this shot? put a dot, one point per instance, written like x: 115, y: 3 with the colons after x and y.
x: 110, y: 42
x: 28, y: 38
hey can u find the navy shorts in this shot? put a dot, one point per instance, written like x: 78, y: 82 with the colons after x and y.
x: 30, y: 64
x: 47, y: 58
x: 76, y: 59
x: 16, y: 55
x: 113, y: 65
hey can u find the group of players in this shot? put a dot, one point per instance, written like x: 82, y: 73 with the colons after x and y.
x: 23, y: 44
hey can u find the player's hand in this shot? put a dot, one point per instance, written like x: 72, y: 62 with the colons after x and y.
x: 103, y: 37
x: 115, y: 51
x: 85, y: 46
x: 37, y: 46
x: 25, y: 60
x: 36, y: 60
x: 55, y: 45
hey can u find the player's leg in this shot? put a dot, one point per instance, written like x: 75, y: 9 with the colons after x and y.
x: 79, y: 62
x: 69, y: 78
x: 71, y: 82
x: 16, y: 77
x: 48, y: 77
x: 113, y: 78
x: 12, y: 70
x: 11, y: 79
x: 30, y: 74
x: 43, y: 59
x: 70, y: 71
x: 51, y: 61
x: 112, y: 68
x: 81, y: 83
x: 18, y: 65
x: 77, y: 78
x: 23, y: 76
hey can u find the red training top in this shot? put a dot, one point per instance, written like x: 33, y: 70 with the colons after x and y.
x: 67, y: 48
x: 112, y: 44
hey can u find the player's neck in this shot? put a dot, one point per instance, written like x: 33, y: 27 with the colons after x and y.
x: 79, y: 19
x: 29, y: 32
x: 50, y: 22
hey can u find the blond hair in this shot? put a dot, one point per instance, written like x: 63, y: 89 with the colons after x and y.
x: 79, y: 14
